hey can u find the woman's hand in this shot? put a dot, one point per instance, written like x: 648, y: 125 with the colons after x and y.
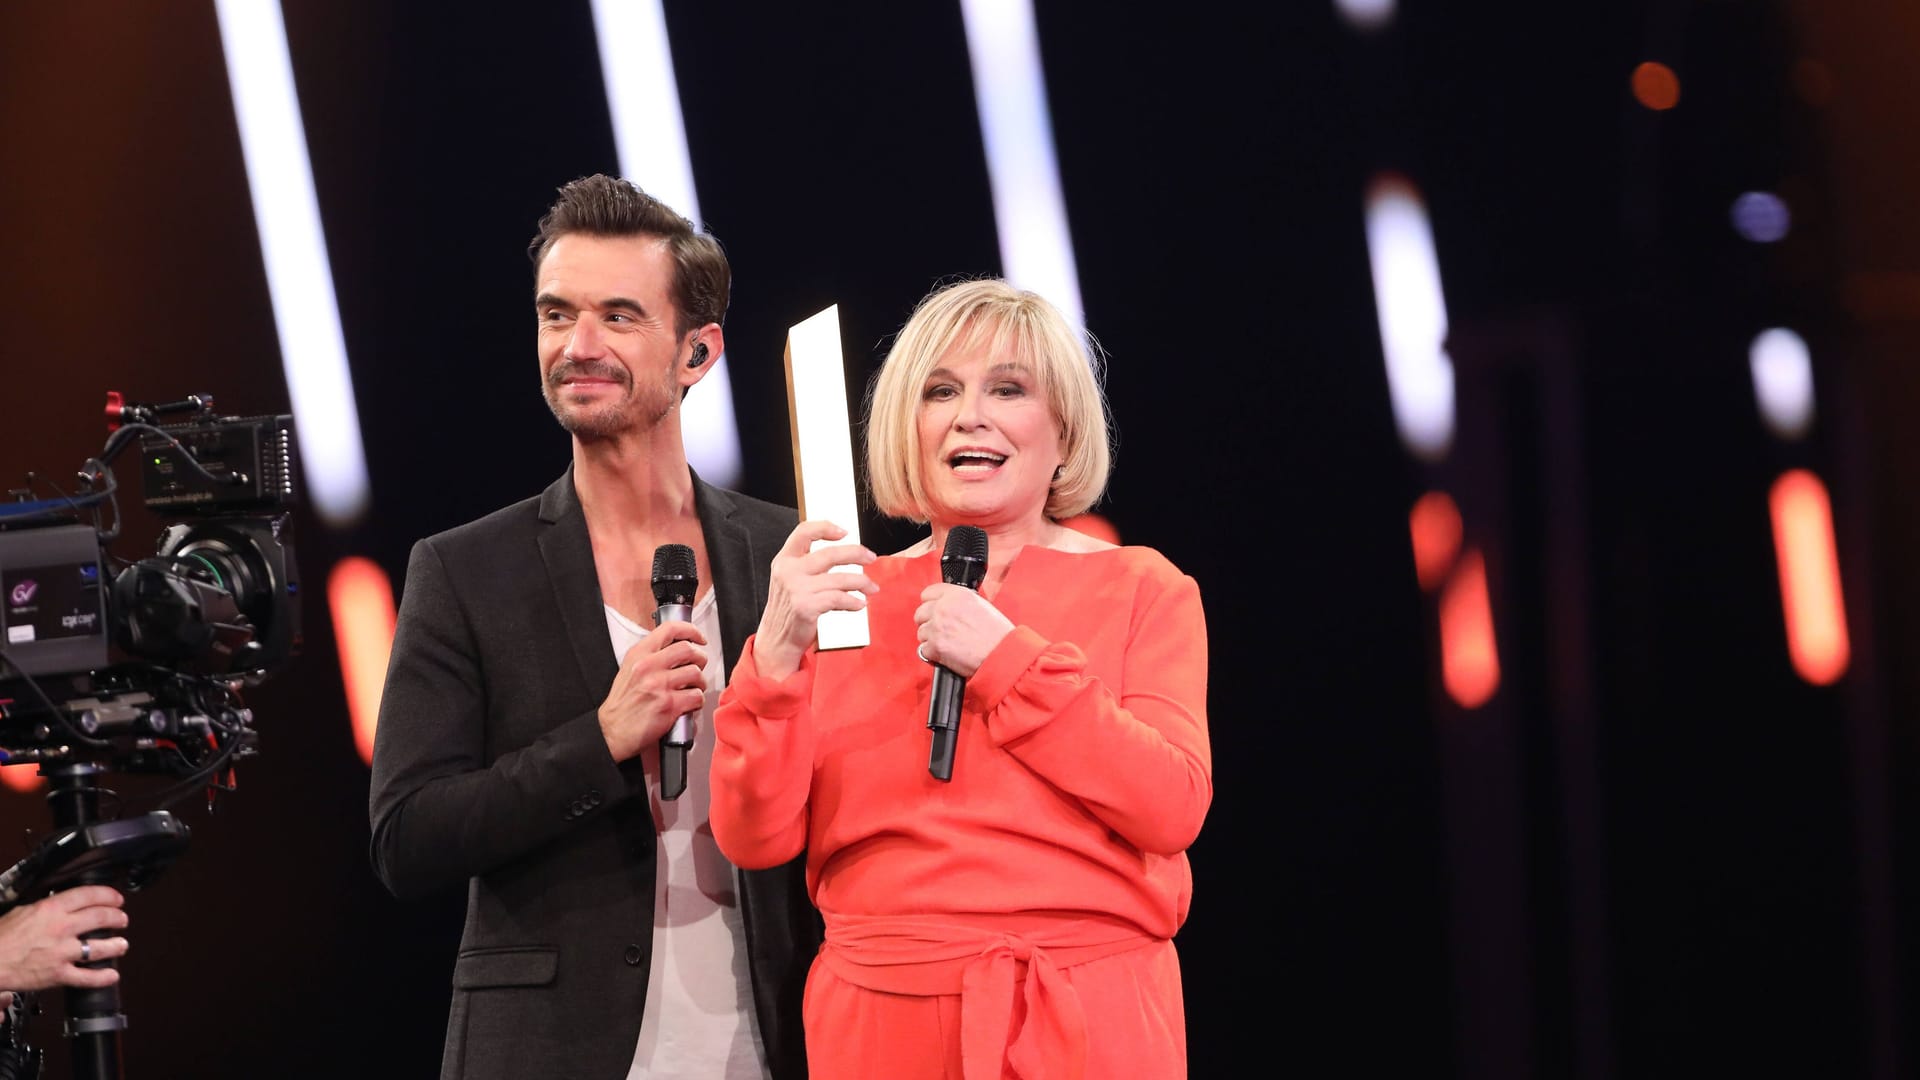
x: 806, y: 583
x: 958, y: 628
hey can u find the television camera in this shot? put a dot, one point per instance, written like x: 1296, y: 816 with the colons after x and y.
x: 140, y: 666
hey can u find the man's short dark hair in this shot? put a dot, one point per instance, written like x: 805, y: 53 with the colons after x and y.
x: 602, y: 205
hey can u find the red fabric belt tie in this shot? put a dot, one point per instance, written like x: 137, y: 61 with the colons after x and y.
x: 987, y: 961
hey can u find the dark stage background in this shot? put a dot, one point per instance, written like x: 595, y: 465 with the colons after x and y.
x: 1656, y: 852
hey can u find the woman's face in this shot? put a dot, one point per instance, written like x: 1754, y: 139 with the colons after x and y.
x: 989, y: 442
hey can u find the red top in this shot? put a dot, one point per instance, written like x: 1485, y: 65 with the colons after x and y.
x: 1082, y: 770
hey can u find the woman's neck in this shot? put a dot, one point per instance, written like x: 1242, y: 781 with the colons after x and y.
x: 1004, y: 542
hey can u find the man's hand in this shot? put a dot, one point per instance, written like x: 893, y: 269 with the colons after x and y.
x: 41, y: 947
x: 662, y: 677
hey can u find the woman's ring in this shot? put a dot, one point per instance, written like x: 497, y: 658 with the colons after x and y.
x: 920, y: 651
x: 86, y: 950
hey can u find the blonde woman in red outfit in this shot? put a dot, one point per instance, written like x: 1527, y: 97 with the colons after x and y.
x: 1017, y: 920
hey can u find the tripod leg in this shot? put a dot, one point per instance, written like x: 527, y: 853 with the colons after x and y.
x: 94, y: 1020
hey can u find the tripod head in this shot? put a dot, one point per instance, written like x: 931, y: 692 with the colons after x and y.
x: 126, y: 854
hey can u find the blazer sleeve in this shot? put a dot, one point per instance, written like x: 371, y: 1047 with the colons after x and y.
x: 762, y: 769
x: 441, y: 811
x: 1137, y: 755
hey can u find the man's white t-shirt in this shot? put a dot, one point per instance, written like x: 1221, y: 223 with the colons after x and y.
x: 698, y: 1023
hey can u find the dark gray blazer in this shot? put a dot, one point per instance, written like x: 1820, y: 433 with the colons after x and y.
x: 489, y: 769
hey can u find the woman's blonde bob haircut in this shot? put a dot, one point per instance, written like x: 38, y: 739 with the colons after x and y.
x: 1009, y: 325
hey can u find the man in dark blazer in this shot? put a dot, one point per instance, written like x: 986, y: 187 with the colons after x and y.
x: 514, y: 752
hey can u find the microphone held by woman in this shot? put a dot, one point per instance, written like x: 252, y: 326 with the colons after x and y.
x: 962, y: 563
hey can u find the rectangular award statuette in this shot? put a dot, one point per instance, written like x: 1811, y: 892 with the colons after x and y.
x: 823, y: 450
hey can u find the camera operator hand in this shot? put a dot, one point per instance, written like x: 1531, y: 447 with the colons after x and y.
x: 41, y: 946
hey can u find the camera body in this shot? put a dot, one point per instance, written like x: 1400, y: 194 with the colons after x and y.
x: 107, y: 659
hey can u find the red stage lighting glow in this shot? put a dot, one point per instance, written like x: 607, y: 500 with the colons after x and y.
x: 1656, y: 86
x: 1469, y: 657
x: 1816, y: 613
x: 1435, y: 522
x: 361, y: 599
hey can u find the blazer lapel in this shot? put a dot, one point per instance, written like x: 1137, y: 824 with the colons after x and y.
x: 568, y: 555
x: 731, y: 554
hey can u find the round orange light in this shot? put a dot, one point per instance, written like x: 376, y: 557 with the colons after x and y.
x: 1656, y: 86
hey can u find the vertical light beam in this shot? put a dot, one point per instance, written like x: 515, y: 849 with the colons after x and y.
x: 1815, y: 611
x: 360, y: 598
x: 1469, y: 656
x: 1437, y: 531
x: 649, y: 133
x: 299, y: 276
x: 1030, y: 213
x: 1783, y: 381
x: 1366, y: 15
x: 1412, y: 312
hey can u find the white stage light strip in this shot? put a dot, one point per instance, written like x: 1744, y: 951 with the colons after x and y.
x: 299, y: 277
x: 643, y: 98
x: 1030, y: 213
x: 1783, y: 381
x: 1366, y: 14
x: 1412, y: 312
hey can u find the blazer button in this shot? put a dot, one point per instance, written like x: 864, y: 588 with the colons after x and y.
x: 634, y: 956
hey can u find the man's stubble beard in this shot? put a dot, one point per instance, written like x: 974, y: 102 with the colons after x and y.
x: 633, y: 412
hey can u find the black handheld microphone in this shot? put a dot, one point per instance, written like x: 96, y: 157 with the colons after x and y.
x: 962, y: 562
x: 675, y: 580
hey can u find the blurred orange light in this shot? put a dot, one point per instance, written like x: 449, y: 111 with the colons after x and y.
x: 1435, y: 521
x: 1095, y: 526
x: 1816, y: 614
x: 361, y: 599
x: 1656, y: 86
x: 23, y: 777
x: 1469, y: 659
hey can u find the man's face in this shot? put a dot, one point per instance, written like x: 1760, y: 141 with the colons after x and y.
x: 607, y: 344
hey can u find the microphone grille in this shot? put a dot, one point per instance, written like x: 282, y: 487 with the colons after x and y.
x: 964, y: 560
x: 675, y: 575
